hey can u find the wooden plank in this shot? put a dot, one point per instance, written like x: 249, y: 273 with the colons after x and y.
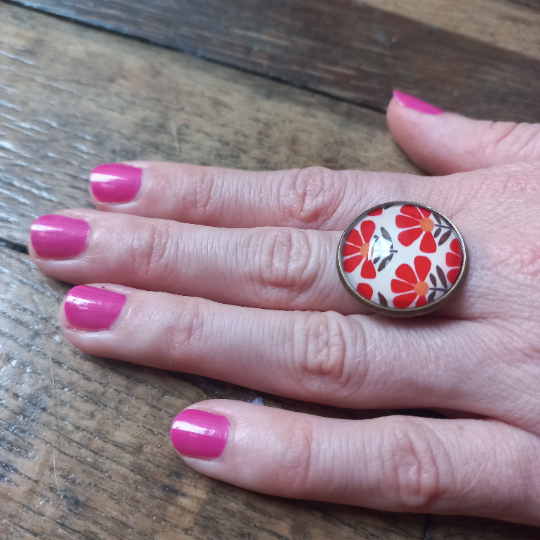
x: 529, y: 4
x: 72, y: 97
x: 510, y: 25
x: 85, y: 451
x: 344, y: 48
x: 457, y: 528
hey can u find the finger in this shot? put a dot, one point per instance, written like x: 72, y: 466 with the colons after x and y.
x: 315, y: 198
x: 354, y: 361
x: 274, y: 268
x: 409, y: 464
x: 278, y: 268
x: 449, y: 143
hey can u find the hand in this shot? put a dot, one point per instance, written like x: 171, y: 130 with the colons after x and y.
x: 231, y: 274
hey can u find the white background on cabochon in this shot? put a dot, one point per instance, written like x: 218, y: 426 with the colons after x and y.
x: 406, y: 255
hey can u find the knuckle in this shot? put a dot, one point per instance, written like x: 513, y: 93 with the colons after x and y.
x: 323, y: 348
x: 412, y: 457
x: 512, y: 139
x: 321, y: 356
x: 519, y: 186
x: 183, y: 332
x: 296, y: 458
x: 311, y: 196
x: 526, y: 260
x: 521, y: 179
x: 285, y: 265
x: 197, y: 199
x: 153, y: 251
x: 512, y: 181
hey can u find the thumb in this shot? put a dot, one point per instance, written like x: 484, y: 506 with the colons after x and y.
x: 445, y: 143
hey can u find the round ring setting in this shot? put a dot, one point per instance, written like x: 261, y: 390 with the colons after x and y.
x: 402, y: 259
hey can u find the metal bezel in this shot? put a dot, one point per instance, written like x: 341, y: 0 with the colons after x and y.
x: 407, y: 312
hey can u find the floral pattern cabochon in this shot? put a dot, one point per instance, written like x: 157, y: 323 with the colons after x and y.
x: 401, y: 256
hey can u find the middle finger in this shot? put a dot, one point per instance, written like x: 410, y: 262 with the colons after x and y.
x: 266, y: 267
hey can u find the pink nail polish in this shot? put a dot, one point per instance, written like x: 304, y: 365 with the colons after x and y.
x: 200, y: 433
x: 90, y: 308
x: 416, y: 104
x: 115, y: 182
x: 59, y: 237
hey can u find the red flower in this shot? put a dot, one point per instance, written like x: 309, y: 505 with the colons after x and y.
x: 356, y: 249
x: 365, y: 290
x: 417, y: 222
x: 413, y: 283
x: 377, y: 212
x: 453, y: 259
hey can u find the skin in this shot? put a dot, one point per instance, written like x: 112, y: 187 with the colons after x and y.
x: 231, y: 274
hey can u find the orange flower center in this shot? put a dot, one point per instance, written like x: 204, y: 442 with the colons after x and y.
x: 426, y: 224
x: 364, y: 250
x: 421, y: 288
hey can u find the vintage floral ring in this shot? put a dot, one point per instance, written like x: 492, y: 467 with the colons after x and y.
x: 402, y: 259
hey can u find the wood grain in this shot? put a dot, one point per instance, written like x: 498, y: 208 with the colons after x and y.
x: 468, y: 528
x: 85, y: 451
x: 512, y: 26
x: 112, y: 99
x: 343, y: 48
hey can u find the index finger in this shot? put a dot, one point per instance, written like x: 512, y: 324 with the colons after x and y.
x: 314, y: 198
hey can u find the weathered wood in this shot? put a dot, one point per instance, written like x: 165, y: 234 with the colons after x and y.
x: 510, y: 25
x: 458, y: 528
x: 344, y: 48
x: 85, y: 451
x: 73, y: 97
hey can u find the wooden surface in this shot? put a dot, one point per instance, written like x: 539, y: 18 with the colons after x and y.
x: 84, y: 448
x: 344, y: 48
x: 507, y: 24
x: 111, y: 99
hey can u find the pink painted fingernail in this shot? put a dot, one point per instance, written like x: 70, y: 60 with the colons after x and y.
x: 115, y: 182
x: 59, y: 237
x: 416, y: 104
x: 200, y: 433
x: 90, y: 308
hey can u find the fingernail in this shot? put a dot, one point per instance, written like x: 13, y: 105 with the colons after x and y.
x: 59, y: 237
x: 115, y: 182
x: 199, y: 433
x: 416, y: 104
x: 90, y: 308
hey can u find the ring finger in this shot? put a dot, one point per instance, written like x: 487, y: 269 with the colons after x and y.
x: 276, y: 268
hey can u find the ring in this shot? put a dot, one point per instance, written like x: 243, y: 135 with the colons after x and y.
x: 402, y: 259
